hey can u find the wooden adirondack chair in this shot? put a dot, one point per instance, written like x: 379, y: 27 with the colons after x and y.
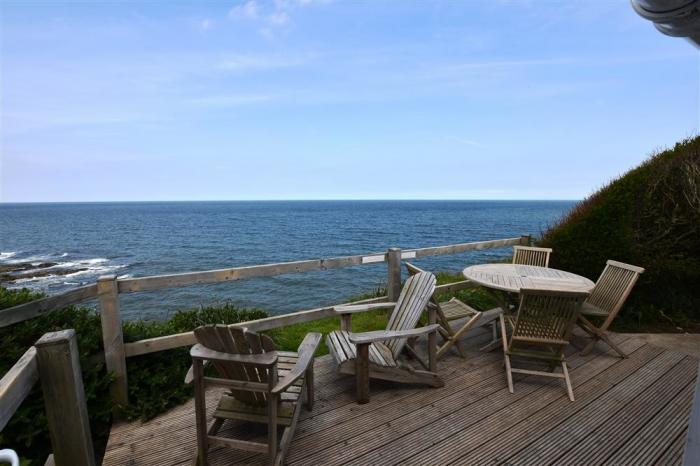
x: 266, y: 387
x: 528, y: 255
x: 609, y: 294
x: 376, y: 354
x: 541, y: 331
x: 449, y: 311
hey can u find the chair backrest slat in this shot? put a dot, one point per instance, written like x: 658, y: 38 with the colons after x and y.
x: 413, y: 299
x: 547, y: 315
x: 613, y: 287
x: 235, y: 340
x: 526, y: 255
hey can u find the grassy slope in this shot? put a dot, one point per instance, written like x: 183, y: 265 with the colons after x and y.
x: 648, y: 217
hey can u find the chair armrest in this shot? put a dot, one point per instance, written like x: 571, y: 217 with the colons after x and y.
x: 380, y: 335
x: 306, y: 356
x: 199, y: 351
x: 207, y: 355
x: 354, y: 308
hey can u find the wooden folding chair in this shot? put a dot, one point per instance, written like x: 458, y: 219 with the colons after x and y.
x: 449, y: 311
x: 609, y: 294
x: 527, y: 255
x: 377, y: 354
x: 266, y: 386
x: 541, y: 331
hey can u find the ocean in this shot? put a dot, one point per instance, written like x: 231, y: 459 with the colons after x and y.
x: 77, y: 242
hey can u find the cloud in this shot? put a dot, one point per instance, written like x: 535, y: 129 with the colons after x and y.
x: 278, y: 18
x: 232, y: 100
x: 270, y: 16
x: 205, y: 24
x: 242, y: 63
x: 247, y: 10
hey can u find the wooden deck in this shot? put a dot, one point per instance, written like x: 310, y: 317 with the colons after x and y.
x: 627, y: 411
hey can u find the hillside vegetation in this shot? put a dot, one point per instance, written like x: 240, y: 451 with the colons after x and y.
x: 649, y: 217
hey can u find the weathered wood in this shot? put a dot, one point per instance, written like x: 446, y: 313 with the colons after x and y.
x: 513, y: 277
x: 375, y: 354
x: 16, y: 384
x: 393, y: 282
x: 152, y: 345
x: 362, y: 373
x: 36, y: 308
x: 160, y: 282
x: 381, y: 335
x: 258, y: 394
x: 64, y: 398
x: 306, y: 355
x: 130, y: 285
x: 113, y: 340
x: 542, y: 330
x: 448, y: 311
x: 528, y: 255
x: 607, y: 298
x: 472, y: 420
x: 464, y: 247
x: 691, y: 457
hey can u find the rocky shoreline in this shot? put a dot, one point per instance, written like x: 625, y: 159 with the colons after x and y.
x: 20, y: 270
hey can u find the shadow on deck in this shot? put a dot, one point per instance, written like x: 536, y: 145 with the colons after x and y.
x: 631, y: 411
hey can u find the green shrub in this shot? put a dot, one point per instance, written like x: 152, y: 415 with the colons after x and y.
x: 648, y: 217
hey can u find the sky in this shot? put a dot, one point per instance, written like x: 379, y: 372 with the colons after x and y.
x: 311, y: 99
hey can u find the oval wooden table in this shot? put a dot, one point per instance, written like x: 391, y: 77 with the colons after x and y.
x: 501, y: 279
x: 512, y: 277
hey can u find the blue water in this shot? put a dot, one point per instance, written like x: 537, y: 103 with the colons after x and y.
x: 140, y: 239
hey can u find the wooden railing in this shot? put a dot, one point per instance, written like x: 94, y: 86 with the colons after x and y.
x: 108, y: 288
x: 54, y: 360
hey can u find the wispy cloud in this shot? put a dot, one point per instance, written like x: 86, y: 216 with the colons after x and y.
x: 247, y: 10
x: 242, y: 63
x: 232, y: 100
x: 270, y: 16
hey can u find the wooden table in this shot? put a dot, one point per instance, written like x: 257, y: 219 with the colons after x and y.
x: 501, y: 279
x: 512, y: 277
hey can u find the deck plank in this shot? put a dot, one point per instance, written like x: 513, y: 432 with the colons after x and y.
x: 644, y: 400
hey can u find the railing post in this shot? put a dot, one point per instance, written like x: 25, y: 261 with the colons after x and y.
x: 525, y: 240
x: 115, y: 358
x: 393, y: 283
x: 64, y: 398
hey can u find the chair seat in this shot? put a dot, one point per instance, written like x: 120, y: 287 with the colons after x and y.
x: 590, y: 310
x: 455, y: 309
x: 343, y: 349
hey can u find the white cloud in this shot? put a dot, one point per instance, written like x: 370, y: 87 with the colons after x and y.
x: 278, y: 18
x: 248, y: 10
x: 232, y: 100
x: 270, y: 16
x: 205, y: 24
x: 241, y: 63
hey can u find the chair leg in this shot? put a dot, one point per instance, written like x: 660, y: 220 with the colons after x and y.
x: 272, y: 427
x: 596, y: 335
x: 569, y: 390
x: 200, y: 412
x: 309, y: 381
x: 362, y: 373
x: 506, y: 358
x: 589, y: 347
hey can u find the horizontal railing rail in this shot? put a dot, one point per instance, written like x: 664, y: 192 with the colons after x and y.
x: 152, y: 345
x: 16, y: 385
x: 33, y: 309
x: 159, y: 282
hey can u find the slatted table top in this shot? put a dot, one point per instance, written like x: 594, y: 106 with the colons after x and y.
x: 513, y: 277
